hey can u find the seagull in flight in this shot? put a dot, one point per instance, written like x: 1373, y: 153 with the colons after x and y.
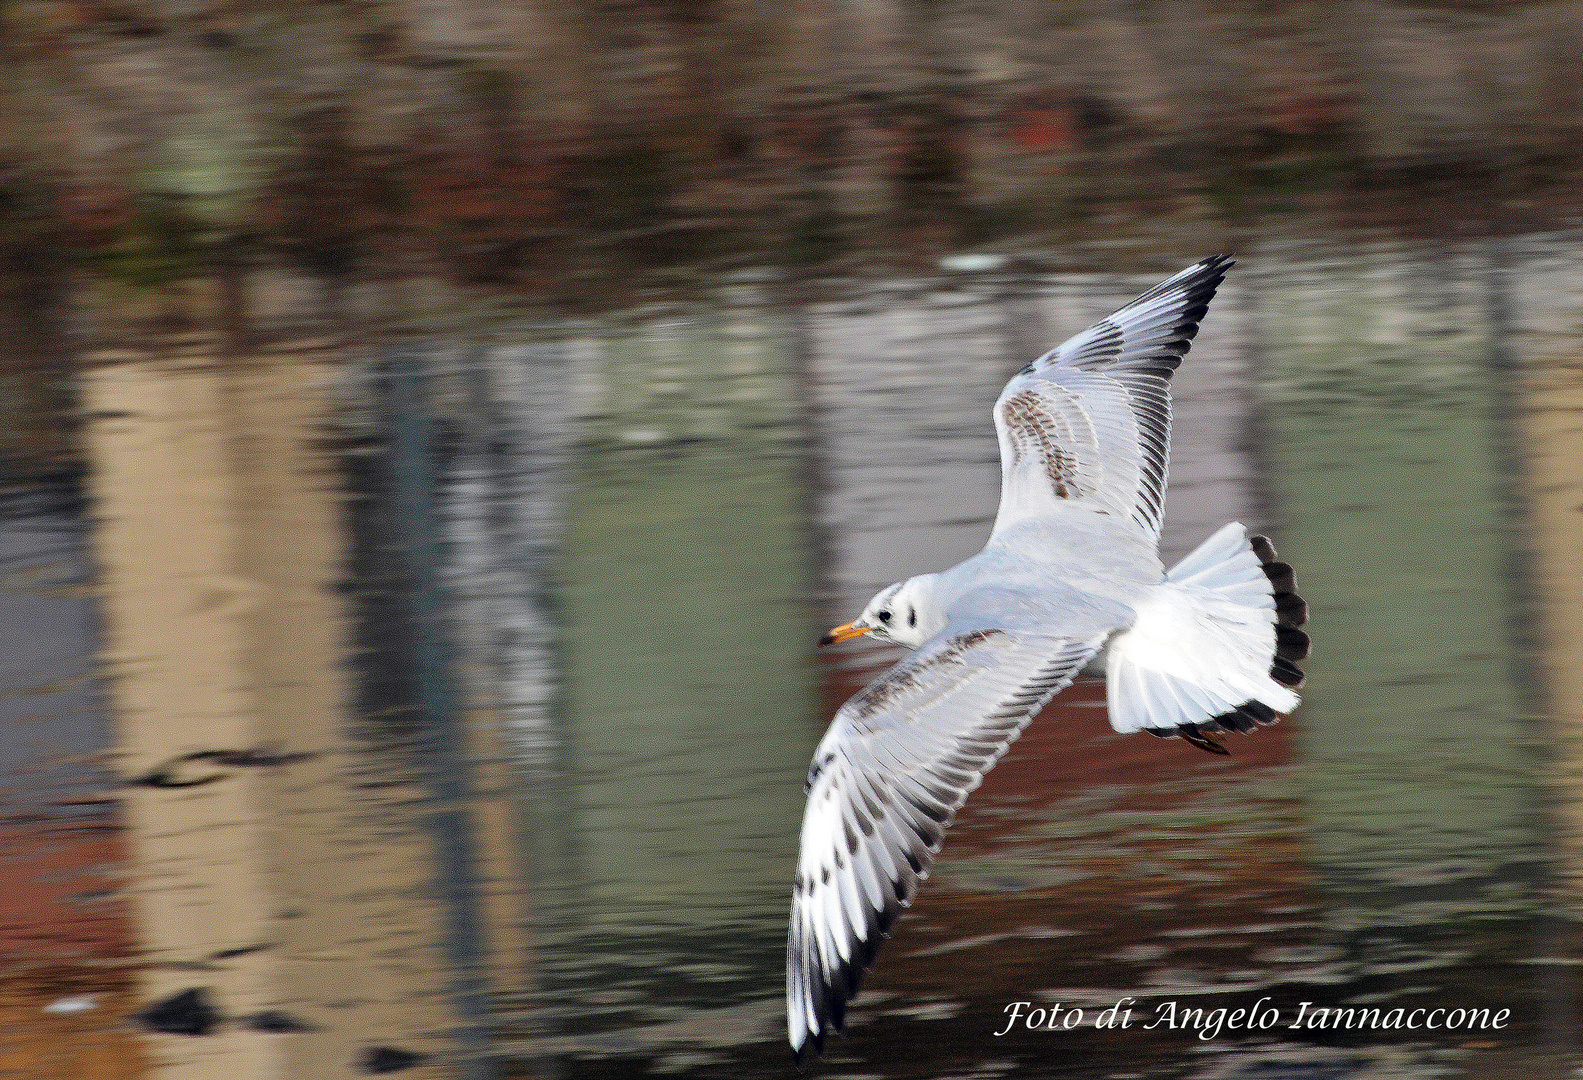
x: 1070, y: 582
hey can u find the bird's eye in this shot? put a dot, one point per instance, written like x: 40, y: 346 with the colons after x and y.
x: 884, y: 617
x: 912, y: 616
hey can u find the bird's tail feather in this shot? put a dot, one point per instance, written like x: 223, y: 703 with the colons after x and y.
x: 1214, y: 645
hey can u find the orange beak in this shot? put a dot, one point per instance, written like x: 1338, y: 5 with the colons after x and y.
x: 844, y: 632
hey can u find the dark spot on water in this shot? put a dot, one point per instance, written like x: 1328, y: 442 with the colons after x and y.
x: 276, y: 1022
x: 378, y: 1060
x: 186, y: 1013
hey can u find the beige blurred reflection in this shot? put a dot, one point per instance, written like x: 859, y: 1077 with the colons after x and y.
x: 1552, y: 438
x: 277, y: 887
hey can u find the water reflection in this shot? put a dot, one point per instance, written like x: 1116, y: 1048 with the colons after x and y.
x: 65, y: 933
x: 1385, y: 399
x: 463, y: 688
x: 282, y: 866
x: 686, y: 568
x: 1129, y: 869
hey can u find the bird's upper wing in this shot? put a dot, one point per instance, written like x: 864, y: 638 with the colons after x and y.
x: 899, y: 759
x: 1088, y: 425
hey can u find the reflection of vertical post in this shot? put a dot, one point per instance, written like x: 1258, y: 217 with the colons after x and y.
x: 360, y: 955
x: 503, y: 502
x: 1535, y: 310
x: 809, y: 419
x: 292, y: 889
x: 411, y: 422
x: 1546, y: 300
x: 175, y: 607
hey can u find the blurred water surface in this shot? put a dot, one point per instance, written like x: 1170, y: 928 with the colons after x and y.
x: 446, y: 710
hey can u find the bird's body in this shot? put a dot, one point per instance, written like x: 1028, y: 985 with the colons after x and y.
x: 1070, y: 581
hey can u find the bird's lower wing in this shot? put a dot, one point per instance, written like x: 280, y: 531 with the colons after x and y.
x: 898, y: 761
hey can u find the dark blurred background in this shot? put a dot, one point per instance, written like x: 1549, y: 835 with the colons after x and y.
x: 552, y: 150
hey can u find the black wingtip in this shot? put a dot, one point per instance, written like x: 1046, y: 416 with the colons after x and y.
x: 1202, y: 278
x: 832, y: 992
x: 1197, y: 283
x: 1217, y: 264
x: 1212, y: 273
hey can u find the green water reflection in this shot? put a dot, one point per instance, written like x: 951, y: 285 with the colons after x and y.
x: 1384, y: 450
x: 690, y: 693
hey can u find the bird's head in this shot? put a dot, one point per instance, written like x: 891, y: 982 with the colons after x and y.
x: 906, y: 613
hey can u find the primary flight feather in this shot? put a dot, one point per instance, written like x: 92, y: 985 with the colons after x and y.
x: 1070, y: 581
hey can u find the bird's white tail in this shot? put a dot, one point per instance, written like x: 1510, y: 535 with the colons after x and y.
x: 1214, y: 645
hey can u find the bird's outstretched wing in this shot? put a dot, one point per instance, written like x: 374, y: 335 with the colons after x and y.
x: 1087, y: 426
x: 898, y: 761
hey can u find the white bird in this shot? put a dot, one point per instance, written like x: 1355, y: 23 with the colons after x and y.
x: 1070, y: 581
